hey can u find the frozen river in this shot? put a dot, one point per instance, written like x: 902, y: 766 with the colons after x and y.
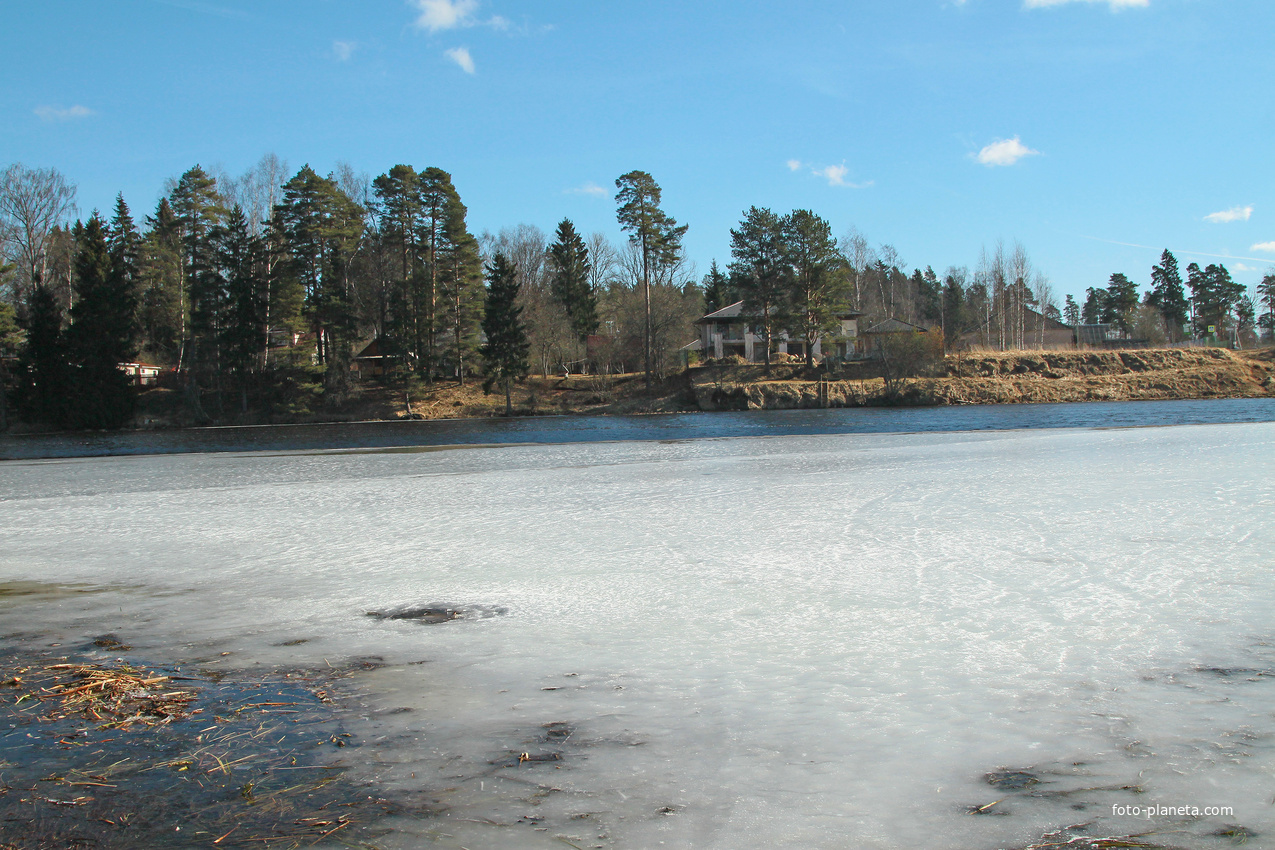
x: 816, y: 641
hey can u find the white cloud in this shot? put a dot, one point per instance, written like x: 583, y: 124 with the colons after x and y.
x: 1004, y: 152
x: 589, y: 188
x: 445, y: 14
x: 794, y: 164
x: 1233, y: 214
x: 460, y: 55
x: 1240, y: 267
x: 344, y: 49
x: 1116, y: 5
x: 1268, y: 247
x: 836, y: 176
x: 54, y: 113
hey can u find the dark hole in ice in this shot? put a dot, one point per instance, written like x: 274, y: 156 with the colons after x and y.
x: 1011, y: 780
x: 111, y: 642
x: 556, y: 731
x: 431, y: 614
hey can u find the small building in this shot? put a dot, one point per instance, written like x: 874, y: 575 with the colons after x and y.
x: 729, y: 331
x: 371, y: 362
x: 143, y: 374
x: 869, y: 343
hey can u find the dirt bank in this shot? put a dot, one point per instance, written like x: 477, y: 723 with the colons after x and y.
x: 1007, y: 378
x: 992, y: 378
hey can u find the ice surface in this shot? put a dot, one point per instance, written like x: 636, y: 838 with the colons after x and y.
x: 805, y: 641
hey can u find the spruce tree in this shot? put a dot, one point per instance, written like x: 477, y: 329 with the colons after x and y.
x: 505, y: 354
x: 197, y: 208
x: 101, y: 336
x: 1167, y: 294
x: 42, y: 367
x: 242, y: 333
x: 569, y: 280
x: 717, y: 290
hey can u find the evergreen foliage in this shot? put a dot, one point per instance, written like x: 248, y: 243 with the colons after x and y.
x: 819, y: 277
x: 761, y: 273
x: 718, y: 292
x: 569, y: 279
x: 657, y: 237
x: 1167, y: 294
x: 505, y: 353
x: 101, y: 336
x: 1120, y: 302
x: 42, y: 367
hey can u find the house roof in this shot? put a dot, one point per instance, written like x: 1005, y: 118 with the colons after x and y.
x: 736, y: 311
x: 894, y: 326
x: 731, y: 311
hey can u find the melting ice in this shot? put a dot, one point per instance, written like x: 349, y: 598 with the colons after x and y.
x: 818, y: 642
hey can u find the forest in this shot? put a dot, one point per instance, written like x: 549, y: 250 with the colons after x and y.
x: 256, y: 293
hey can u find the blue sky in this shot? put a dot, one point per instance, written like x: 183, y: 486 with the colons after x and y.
x: 934, y: 125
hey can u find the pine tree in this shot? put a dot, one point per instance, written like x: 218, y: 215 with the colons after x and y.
x: 101, y: 336
x: 505, y: 354
x: 1120, y: 302
x: 1266, y: 299
x: 462, y: 290
x: 398, y: 208
x: 761, y: 273
x: 657, y: 236
x: 1095, y: 306
x: 320, y: 228
x: 569, y: 270
x: 819, y: 277
x: 1071, y: 311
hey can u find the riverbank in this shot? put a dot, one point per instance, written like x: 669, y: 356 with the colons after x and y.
x: 1025, y: 377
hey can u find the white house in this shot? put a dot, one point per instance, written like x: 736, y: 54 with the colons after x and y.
x: 728, y: 331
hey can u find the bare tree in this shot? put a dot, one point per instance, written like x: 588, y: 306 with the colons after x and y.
x: 33, y: 201
x: 1044, y: 291
x: 859, y: 254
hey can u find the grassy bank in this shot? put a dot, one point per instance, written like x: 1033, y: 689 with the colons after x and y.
x: 1014, y: 377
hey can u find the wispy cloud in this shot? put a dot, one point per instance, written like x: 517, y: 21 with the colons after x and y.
x: 1266, y: 247
x: 1240, y: 267
x: 836, y: 176
x: 436, y: 15
x: 54, y: 113
x: 589, y: 188
x: 460, y: 55
x: 445, y: 14
x: 1004, y: 152
x: 1116, y: 5
x: 1233, y: 214
x: 343, y: 50
x: 794, y: 165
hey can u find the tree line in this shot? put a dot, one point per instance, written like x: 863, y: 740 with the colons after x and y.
x: 258, y: 291
x: 1216, y: 307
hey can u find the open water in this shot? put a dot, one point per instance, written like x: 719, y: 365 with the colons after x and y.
x: 816, y: 633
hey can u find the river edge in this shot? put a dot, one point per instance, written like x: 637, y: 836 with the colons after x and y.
x: 262, y: 758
